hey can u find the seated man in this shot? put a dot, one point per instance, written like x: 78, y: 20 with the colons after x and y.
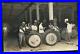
x: 41, y: 28
x: 34, y: 26
x: 51, y: 26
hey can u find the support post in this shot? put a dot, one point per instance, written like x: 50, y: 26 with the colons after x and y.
x: 37, y: 10
x: 50, y: 11
x: 30, y: 14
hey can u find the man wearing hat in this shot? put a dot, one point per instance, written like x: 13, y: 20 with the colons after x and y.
x: 69, y: 30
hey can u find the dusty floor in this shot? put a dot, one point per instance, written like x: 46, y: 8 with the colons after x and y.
x: 11, y: 45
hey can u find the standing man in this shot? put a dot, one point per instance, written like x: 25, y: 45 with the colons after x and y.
x: 69, y: 30
x: 22, y: 35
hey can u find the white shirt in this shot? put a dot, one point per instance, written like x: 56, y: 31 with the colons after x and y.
x: 41, y: 29
x: 69, y: 27
x: 34, y: 27
x: 20, y: 30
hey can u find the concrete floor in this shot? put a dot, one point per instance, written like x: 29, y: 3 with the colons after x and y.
x: 11, y: 45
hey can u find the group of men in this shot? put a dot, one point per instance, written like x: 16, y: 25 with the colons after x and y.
x: 25, y: 28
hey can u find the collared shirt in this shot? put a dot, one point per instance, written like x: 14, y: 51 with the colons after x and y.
x: 41, y: 29
x: 34, y: 27
x: 20, y: 30
x: 69, y: 27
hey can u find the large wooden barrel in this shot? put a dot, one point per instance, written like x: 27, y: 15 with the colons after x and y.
x: 51, y: 37
x: 34, y: 39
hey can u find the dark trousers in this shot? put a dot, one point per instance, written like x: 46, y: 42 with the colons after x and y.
x: 21, y: 40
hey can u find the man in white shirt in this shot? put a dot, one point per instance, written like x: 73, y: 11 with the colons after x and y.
x: 22, y: 34
x: 51, y: 26
x: 69, y: 30
x: 34, y: 26
x: 41, y: 28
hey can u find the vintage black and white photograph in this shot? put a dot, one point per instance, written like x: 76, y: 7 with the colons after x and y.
x: 40, y: 26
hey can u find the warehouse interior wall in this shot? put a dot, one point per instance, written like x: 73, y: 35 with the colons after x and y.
x: 61, y: 11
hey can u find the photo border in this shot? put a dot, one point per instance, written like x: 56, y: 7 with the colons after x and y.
x: 50, y: 52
